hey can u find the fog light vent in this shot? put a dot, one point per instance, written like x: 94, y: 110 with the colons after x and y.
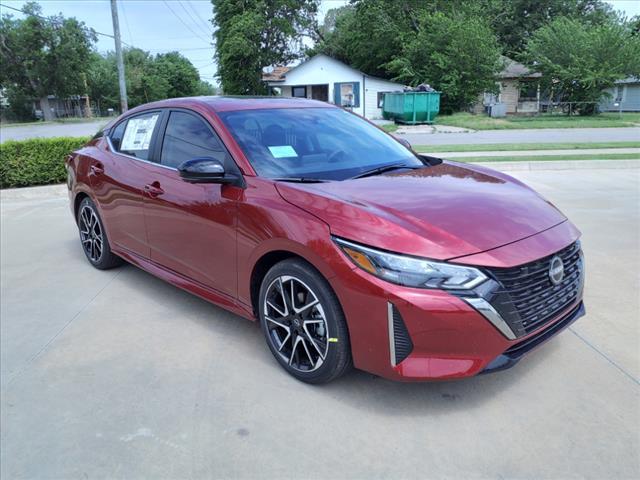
x: 400, y: 344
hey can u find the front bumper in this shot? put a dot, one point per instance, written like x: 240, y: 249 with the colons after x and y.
x: 448, y: 338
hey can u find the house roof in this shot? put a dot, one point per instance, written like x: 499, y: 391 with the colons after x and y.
x: 513, y: 69
x: 628, y: 80
x: 277, y: 75
x: 283, y: 71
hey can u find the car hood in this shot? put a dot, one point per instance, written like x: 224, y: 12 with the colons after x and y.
x: 441, y: 212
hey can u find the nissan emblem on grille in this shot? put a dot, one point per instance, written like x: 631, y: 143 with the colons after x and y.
x: 556, y: 270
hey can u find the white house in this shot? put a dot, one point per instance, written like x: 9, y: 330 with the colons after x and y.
x: 329, y: 80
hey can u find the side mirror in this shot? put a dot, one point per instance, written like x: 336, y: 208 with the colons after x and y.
x: 404, y: 142
x: 205, y: 170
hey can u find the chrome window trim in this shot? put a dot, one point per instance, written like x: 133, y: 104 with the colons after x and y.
x: 487, y: 311
x: 113, y: 150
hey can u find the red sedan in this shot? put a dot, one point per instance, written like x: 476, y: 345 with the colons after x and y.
x: 346, y: 246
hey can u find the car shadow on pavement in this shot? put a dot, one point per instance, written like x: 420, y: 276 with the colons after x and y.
x: 357, y: 389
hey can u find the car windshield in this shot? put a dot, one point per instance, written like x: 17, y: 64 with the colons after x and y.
x: 314, y: 143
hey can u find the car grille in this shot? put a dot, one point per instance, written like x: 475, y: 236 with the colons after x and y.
x: 527, y: 299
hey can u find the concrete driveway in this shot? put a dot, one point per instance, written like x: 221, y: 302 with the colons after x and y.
x: 117, y: 374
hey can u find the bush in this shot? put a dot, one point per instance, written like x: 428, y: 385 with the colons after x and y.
x: 38, y: 161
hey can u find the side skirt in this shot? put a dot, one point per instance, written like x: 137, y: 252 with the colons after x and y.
x: 174, y: 278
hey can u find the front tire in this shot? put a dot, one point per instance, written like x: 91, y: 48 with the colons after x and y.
x: 303, y: 322
x: 93, y: 237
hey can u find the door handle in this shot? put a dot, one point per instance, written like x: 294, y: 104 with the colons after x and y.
x: 97, y: 168
x: 153, y: 189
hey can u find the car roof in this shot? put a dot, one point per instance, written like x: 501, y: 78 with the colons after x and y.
x: 231, y: 103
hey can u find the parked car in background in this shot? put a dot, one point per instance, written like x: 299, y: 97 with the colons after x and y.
x: 346, y: 246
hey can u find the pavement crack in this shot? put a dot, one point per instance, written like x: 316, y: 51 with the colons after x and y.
x: 605, y: 356
x: 59, y: 332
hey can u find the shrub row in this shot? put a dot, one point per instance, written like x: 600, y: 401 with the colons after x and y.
x: 38, y: 161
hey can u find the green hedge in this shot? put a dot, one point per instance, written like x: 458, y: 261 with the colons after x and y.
x: 38, y: 161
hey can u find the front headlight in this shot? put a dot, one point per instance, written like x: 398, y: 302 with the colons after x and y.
x: 411, y: 271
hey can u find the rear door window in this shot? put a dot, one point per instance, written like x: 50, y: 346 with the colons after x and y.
x: 133, y: 137
x: 187, y: 137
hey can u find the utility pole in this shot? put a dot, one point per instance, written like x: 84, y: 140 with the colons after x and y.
x: 116, y: 34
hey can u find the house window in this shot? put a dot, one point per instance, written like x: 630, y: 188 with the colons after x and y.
x: 380, y: 99
x: 300, y: 92
x: 347, y: 94
x: 528, y: 91
x: 619, y: 93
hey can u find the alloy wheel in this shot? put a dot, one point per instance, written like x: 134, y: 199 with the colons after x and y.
x: 91, y: 234
x: 296, y: 323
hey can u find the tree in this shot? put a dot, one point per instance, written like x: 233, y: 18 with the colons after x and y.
x: 179, y: 73
x: 452, y: 47
x: 148, y: 78
x: 456, y: 53
x: 371, y: 32
x: 515, y: 21
x: 252, y: 34
x: 44, y: 56
x: 590, y: 60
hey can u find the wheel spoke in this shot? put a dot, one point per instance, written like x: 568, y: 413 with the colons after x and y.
x: 280, y: 312
x: 294, y: 351
x: 281, y: 325
x: 313, y: 342
x: 284, y: 297
x: 306, y: 349
x: 282, y: 344
x: 313, y: 303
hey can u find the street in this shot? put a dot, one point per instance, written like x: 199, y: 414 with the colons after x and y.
x: 46, y: 130
x: 116, y: 374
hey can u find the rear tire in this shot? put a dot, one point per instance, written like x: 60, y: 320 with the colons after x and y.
x: 303, y: 322
x: 93, y: 237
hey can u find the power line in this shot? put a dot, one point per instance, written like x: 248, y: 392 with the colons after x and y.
x: 126, y: 21
x: 207, y: 24
x: 195, y: 22
x: 182, y: 21
x: 86, y: 29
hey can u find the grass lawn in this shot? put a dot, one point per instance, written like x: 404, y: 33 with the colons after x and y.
x: 392, y: 127
x: 482, y: 122
x: 550, y: 158
x: 511, y: 147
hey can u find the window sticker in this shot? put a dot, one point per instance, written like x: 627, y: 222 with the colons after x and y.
x: 282, y: 151
x: 138, y: 134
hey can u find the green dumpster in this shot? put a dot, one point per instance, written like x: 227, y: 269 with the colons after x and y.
x: 411, y: 107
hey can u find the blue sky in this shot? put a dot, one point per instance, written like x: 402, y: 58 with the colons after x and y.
x: 167, y: 25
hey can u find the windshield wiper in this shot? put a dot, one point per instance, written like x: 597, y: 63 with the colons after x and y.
x: 382, y: 169
x: 299, y: 180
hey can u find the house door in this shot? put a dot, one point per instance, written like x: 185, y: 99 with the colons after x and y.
x: 320, y: 92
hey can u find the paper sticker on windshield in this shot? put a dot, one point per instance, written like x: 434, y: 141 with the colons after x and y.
x: 137, y: 135
x: 282, y: 151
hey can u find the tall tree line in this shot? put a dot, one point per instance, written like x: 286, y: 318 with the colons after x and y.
x: 456, y: 46
x: 55, y: 56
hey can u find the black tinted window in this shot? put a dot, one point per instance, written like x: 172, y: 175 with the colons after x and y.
x: 116, y: 135
x: 138, y: 132
x: 188, y: 137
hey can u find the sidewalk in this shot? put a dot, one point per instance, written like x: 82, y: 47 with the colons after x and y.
x: 540, y: 153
